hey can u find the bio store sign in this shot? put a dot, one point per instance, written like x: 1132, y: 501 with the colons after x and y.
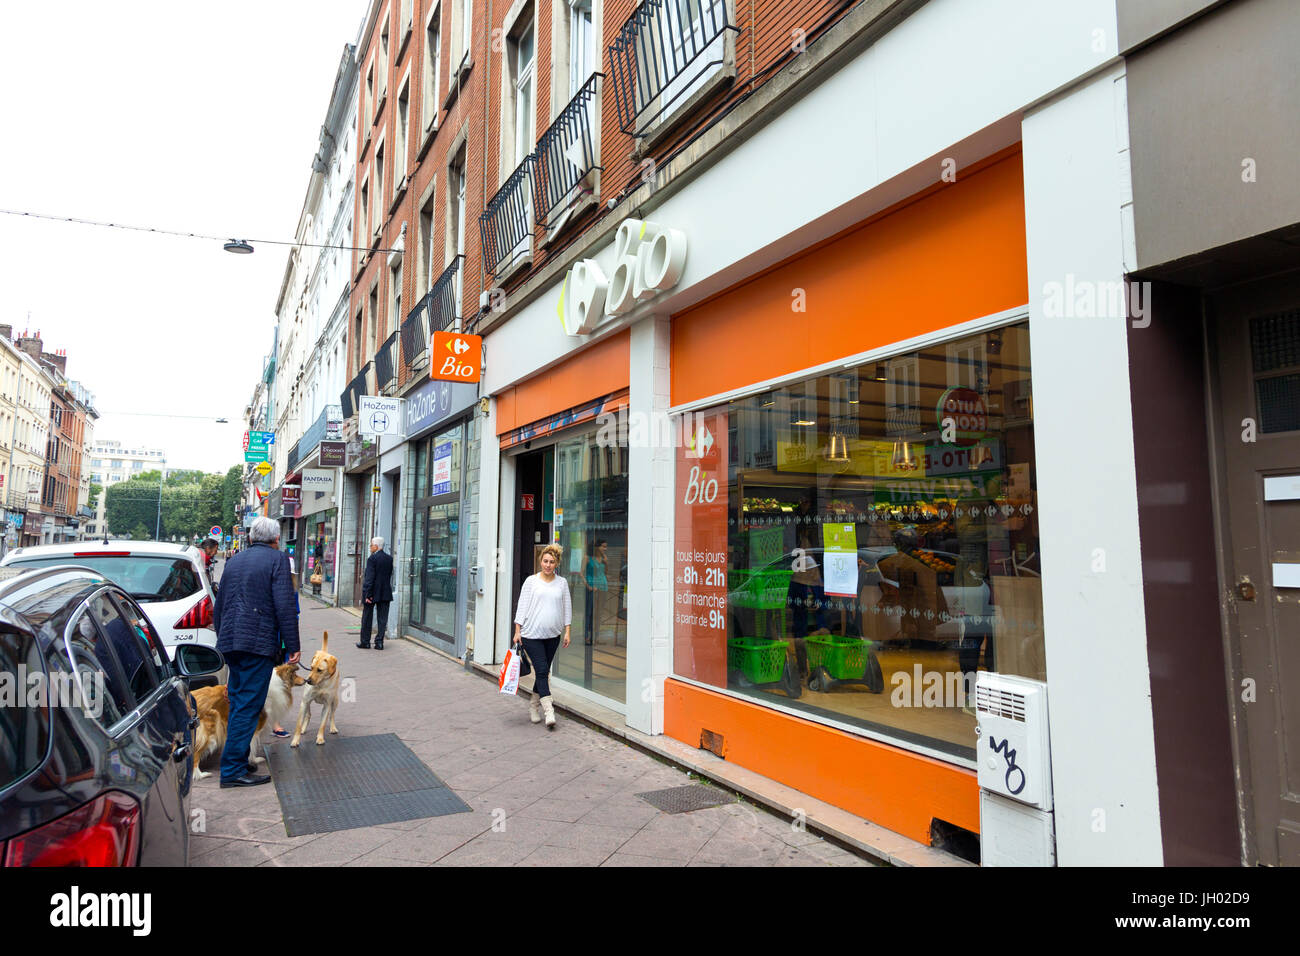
x: 700, y: 553
x: 648, y: 260
x: 961, y: 413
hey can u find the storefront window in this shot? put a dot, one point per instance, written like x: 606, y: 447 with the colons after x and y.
x: 591, y: 524
x: 437, y: 533
x: 873, y: 544
x: 320, y: 551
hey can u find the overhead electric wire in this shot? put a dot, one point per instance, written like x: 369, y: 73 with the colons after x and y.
x: 176, y: 232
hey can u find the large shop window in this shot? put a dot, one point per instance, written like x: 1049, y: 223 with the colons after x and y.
x: 857, y: 545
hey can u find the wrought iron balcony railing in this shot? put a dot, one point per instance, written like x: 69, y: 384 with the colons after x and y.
x: 566, y: 153
x: 437, y: 311
x: 658, y: 57
x: 351, y: 397
x: 506, y: 226
x: 386, y: 363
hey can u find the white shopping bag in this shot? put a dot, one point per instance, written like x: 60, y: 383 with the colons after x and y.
x: 509, y: 680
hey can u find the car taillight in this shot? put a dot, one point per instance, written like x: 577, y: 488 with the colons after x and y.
x: 200, y: 615
x: 105, y: 832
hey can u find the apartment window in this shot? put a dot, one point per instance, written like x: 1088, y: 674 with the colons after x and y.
x: 395, y: 296
x: 522, y: 87
x: 582, y: 45
x: 462, y: 13
x: 456, y: 216
x: 400, y: 136
x: 368, y: 99
x: 432, y: 68
x: 381, y: 201
x: 365, y: 203
x: 383, y: 59
x: 405, y: 18
x: 374, y: 317
x: 426, y: 257
x: 357, y: 339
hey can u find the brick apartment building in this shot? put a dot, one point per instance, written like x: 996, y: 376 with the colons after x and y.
x: 58, y: 505
x: 809, y: 235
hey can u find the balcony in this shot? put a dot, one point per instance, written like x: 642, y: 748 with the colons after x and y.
x: 294, y: 455
x: 351, y: 397
x: 567, y: 153
x: 663, y: 56
x: 506, y: 226
x: 386, y: 365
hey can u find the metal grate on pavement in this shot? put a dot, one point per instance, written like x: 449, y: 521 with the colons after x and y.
x: 355, y: 782
x: 685, y: 799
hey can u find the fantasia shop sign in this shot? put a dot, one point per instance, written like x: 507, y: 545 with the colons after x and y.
x: 648, y: 260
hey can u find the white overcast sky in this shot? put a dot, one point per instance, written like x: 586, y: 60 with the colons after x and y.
x: 188, y: 116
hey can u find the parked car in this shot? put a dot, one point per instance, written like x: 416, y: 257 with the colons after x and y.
x: 96, y: 765
x: 168, y: 580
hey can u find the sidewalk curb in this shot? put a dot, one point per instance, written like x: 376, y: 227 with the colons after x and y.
x: 839, y: 826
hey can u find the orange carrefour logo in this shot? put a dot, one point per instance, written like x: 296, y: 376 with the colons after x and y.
x: 456, y: 357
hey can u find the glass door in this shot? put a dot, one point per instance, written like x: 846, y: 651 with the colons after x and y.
x: 591, y: 525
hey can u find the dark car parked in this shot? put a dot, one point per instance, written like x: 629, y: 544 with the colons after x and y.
x: 95, y: 759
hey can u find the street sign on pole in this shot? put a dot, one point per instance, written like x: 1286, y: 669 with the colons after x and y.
x: 264, y: 468
x: 216, y: 531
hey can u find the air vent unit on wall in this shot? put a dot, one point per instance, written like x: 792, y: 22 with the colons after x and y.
x: 1014, y: 765
x: 1000, y: 703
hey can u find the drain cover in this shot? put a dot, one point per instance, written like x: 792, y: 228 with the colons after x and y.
x: 685, y: 799
x: 355, y: 782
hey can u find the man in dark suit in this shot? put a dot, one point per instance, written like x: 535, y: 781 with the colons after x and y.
x: 376, y: 592
x: 256, y: 612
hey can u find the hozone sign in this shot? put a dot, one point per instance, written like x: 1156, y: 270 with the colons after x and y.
x: 648, y: 260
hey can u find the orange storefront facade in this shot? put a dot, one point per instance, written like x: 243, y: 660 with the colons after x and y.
x: 856, y: 531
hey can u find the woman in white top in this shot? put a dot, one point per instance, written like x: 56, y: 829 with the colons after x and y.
x: 545, y: 610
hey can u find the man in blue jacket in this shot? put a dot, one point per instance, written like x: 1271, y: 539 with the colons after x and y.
x: 256, y: 613
x: 376, y: 592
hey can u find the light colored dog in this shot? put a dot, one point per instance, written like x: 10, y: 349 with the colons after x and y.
x: 322, y: 685
x: 212, y: 707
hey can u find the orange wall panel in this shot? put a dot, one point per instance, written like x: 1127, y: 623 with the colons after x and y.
x: 894, y: 788
x: 591, y: 373
x: 954, y: 254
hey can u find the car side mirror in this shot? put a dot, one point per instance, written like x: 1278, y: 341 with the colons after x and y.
x: 195, y: 660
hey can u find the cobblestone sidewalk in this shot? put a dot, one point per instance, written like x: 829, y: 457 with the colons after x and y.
x: 566, y: 797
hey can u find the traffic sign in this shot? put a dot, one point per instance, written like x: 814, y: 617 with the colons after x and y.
x: 216, y: 531
x: 264, y: 468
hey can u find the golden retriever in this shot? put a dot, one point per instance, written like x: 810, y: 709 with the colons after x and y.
x: 212, y: 707
x: 322, y: 685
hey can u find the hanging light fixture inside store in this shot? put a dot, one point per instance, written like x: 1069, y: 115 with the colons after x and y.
x: 839, y: 447
x: 902, y: 459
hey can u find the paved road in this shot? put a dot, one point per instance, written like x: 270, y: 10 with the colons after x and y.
x: 566, y: 797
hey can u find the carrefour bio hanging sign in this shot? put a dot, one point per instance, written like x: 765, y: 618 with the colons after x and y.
x: 648, y: 260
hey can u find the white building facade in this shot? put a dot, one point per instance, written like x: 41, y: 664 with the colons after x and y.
x: 311, y: 358
x: 106, y: 463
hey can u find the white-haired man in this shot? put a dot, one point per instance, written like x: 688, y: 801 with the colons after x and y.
x: 376, y: 593
x: 256, y: 613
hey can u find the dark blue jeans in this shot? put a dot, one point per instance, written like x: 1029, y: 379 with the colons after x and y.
x: 250, y: 676
x: 540, y: 655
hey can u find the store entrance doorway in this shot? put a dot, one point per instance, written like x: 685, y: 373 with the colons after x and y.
x: 535, y: 481
x: 1257, y: 329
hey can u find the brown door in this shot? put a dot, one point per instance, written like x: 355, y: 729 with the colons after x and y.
x: 1257, y: 336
